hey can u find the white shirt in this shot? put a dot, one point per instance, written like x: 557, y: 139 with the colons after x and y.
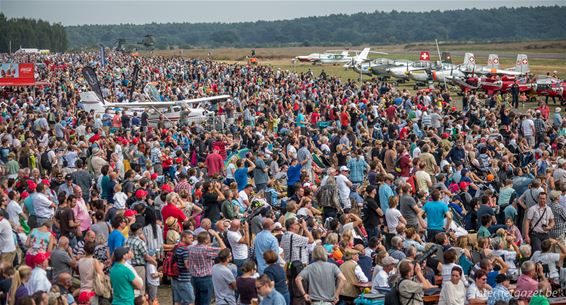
x: 392, y: 216
x: 528, y: 127
x: 475, y: 293
x: 42, y: 206
x: 380, y: 280
x: 7, y: 244
x: 550, y: 259
x: 239, y: 251
x: 38, y: 281
x: 242, y: 197
x: 343, y: 188
x: 14, y: 211
x: 120, y: 199
x: 150, y: 279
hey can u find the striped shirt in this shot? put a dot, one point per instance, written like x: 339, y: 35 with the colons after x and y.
x: 200, y: 259
x: 182, y: 255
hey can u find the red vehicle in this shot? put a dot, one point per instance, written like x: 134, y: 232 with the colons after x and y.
x: 550, y: 87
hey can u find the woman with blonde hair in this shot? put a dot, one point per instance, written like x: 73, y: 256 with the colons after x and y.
x: 18, y: 289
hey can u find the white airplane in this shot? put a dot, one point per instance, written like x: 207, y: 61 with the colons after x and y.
x: 172, y: 111
x: 492, y: 68
x: 337, y: 57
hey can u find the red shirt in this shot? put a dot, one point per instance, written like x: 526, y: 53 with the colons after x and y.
x: 171, y: 210
x: 315, y: 116
x: 214, y: 164
x: 344, y: 119
x: 391, y: 111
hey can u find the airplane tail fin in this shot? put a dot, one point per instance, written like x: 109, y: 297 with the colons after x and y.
x: 446, y: 57
x: 469, y: 59
x: 522, y: 64
x: 363, y: 55
x: 493, y: 61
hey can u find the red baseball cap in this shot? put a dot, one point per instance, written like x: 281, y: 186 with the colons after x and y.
x: 464, y: 184
x: 94, y: 138
x: 41, y: 257
x: 24, y: 195
x: 85, y: 296
x: 130, y: 213
x: 445, y: 135
x: 166, y: 188
x: 140, y: 194
x: 32, y: 185
x: 154, y: 176
x: 46, y: 182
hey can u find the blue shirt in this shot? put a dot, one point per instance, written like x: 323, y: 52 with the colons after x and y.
x: 385, y: 192
x: 300, y: 120
x: 294, y: 174
x: 28, y: 204
x: 357, y: 167
x: 435, y: 211
x: 115, y: 240
x: 241, y: 177
x: 498, y: 293
x: 264, y: 241
x: 274, y: 298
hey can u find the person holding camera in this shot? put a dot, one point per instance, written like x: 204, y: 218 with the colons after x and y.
x: 296, y: 240
x: 538, y: 223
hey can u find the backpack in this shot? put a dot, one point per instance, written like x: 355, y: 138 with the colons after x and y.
x: 393, y: 297
x: 170, y: 267
x: 45, y: 162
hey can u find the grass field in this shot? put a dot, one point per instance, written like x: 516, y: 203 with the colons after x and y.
x: 544, y: 56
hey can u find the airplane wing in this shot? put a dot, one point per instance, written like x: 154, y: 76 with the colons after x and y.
x: 376, y: 52
x: 202, y: 99
x: 140, y: 105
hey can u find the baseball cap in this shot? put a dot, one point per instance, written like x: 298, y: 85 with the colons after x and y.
x: 68, y: 177
x: 389, y: 260
x: 501, y: 278
x: 140, y: 194
x: 135, y: 226
x: 154, y: 176
x: 130, y: 213
x: 166, y: 188
x: 41, y: 257
x: 490, y: 177
x: 85, y: 296
x: 31, y: 185
x: 344, y: 168
x: 120, y: 252
x: 464, y: 184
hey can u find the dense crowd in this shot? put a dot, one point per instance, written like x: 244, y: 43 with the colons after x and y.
x: 305, y: 189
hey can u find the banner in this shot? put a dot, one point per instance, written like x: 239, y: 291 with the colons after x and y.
x: 134, y: 80
x: 102, y: 57
x: 14, y: 74
x: 92, y: 80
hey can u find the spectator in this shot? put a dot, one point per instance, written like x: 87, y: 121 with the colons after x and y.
x: 123, y: 278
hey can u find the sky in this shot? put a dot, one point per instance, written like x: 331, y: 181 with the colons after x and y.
x: 79, y: 12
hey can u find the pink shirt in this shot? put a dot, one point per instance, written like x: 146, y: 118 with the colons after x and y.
x: 526, y: 287
x: 82, y: 215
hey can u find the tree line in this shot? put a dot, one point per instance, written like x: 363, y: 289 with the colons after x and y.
x: 31, y: 33
x: 486, y: 25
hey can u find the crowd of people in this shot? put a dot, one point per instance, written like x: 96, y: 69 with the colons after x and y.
x: 304, y: 189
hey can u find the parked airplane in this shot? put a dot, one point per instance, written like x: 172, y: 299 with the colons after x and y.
x: 186, y: 111
x: 337, y: 57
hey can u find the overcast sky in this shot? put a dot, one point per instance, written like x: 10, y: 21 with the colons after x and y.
x: 78, y: 12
